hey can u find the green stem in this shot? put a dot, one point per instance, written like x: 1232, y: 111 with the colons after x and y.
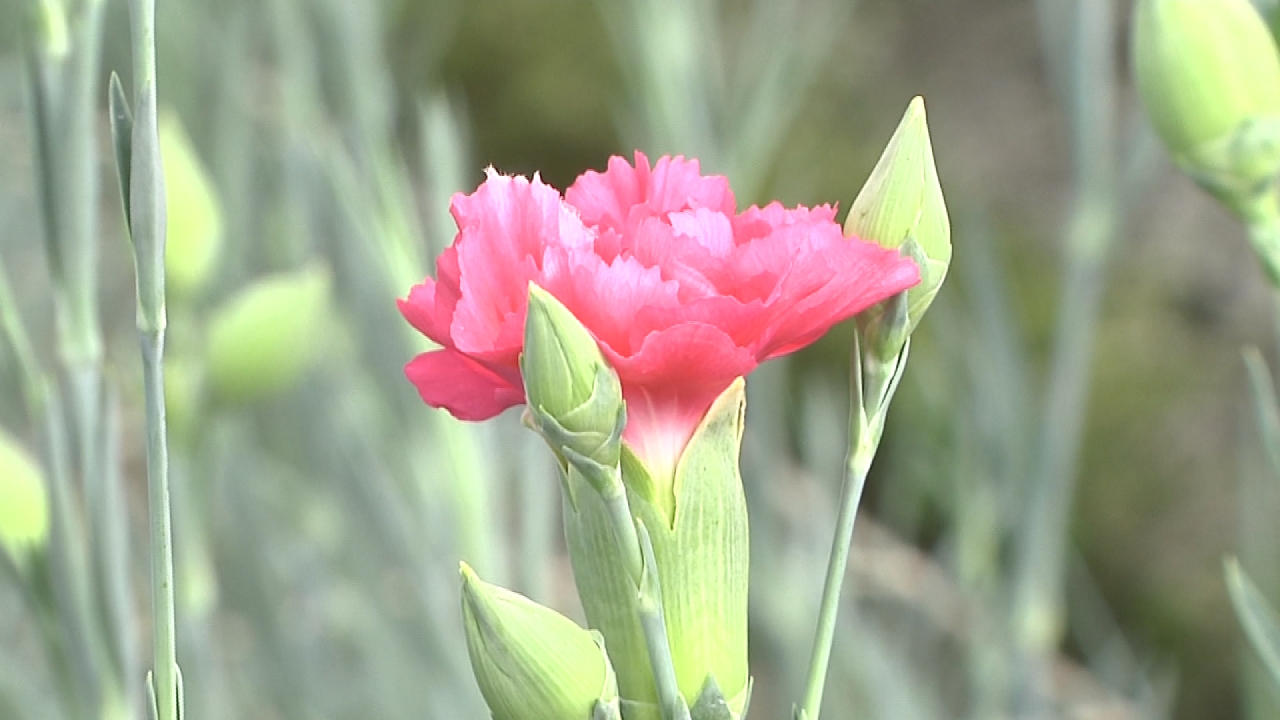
x: 164, y: 642
x: 866, y: 429
x: 653, y: 623
x: 624, y: 530
x: 145, y: 198
x: 641, y: 566
x: 850, y: 498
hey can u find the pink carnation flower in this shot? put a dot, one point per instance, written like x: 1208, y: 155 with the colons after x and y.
x: 681, y: 291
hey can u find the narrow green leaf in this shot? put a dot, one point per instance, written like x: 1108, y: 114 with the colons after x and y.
x: 121, y: 138
x: 43, y: 131
x: 1264, y: 405
x: 1256, y: 615
x: 147, y: 211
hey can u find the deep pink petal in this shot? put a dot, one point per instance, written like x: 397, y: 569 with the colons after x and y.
x: 824, y: 287
x: 470, y: 391
x: 670, y: 383
x: 429, y: 307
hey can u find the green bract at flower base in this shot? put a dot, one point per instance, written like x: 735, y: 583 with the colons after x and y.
x: 702, y: 560
x: 574, y: 397
x: 264, y: 338
x: 902, y: 202
x: 24, y: 506
x: 531, y: 662
x: 1209, y: 76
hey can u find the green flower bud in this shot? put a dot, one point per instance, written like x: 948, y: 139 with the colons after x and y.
x: 531, y: 662
x: 901, y: 201
x: 192, y: 209
x: 701, y: 554
x: 24, y: 506
x: 1209, y: 76
x: 574, y: 396
x: 265, y: 337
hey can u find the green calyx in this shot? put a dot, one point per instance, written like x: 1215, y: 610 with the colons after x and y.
x: 902, y: 201
x: 574, y: 396
x: 1209, y: 76
x: 531, y: 662
x: 701, y: 554
x: 24, y: 504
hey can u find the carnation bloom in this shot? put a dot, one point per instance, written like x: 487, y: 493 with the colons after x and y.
x: 682, y: 292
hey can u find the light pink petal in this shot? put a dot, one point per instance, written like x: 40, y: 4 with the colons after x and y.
x: 470, y: 391
x: 709, y: 229
x: 505, y: 228
x: 757, y: 222
x: 656, y: 244
x: 609, y: 299
x: 624, y: 195
x: 678, y: 184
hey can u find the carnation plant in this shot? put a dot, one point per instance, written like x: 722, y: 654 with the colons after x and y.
x: 309, y: 526
x: 625, y: 314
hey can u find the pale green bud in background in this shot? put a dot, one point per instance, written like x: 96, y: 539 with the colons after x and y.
x: 901, y: 201
x: 24, y: 505
x: 531, y: 662
x: 192, y: 210
x: 55, y: 37
x: 265, y: 337
x: 1209, y: 76
x: 574, y: 396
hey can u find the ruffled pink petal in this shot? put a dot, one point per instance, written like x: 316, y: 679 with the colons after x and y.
x: 680, y: 258
x: 828, y: 282
x: 623, y: 195
x: 467, y: 389
x: 506, y: 227
x: 429, y: 307
x: 609, y: 298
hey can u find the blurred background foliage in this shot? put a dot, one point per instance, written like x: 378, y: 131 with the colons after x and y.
x: 1097, y: 308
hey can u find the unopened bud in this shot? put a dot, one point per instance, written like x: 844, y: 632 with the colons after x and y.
x: 1209, y: 76
x: 574, y: 396
x: 902, y: 201
x: 531, y: 662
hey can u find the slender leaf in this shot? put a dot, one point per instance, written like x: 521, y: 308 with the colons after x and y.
x: 1256, y: 615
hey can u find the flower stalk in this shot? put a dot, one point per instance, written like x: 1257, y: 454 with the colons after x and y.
x: 141, y: 173
x: 866, y: 429
x: 652, y: 620
x: 900, y: 206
